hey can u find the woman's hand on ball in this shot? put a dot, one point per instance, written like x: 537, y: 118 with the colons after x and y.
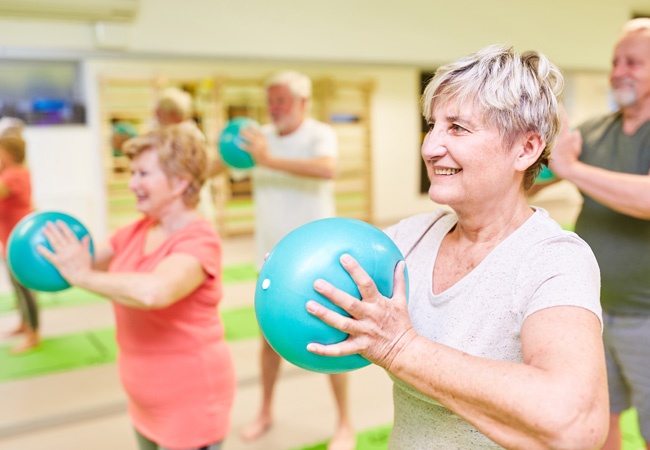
x: 379, y: 327
x: 69, y: 255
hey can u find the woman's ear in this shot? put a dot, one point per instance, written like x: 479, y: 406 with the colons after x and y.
x: 529, y: 147
x: 179, y: 185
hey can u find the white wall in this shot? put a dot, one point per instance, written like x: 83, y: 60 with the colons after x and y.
x: 386, y: 41
x: 66, y: 173
x: 576, y: 34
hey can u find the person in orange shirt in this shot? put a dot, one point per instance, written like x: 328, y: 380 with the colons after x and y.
x: 16, y: 203
x: 163, y: 275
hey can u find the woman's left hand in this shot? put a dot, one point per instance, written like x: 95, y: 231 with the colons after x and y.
x: 70, y: 256
x: 379, y: 327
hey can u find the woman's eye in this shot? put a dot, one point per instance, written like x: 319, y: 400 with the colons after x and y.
x: 431, y: 125
x: 455, y: 127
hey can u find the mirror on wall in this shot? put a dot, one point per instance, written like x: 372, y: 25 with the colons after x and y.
x: 42, y: 92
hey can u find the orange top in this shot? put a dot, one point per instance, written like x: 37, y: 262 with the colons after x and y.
x: 174, y: 363
x: 19, y: 201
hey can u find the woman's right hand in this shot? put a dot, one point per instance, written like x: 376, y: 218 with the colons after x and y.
x: 70, y: 256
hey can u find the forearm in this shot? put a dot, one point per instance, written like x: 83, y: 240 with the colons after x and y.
x: 625, y: 193
x: 516, y: 405
x: 137, y: 290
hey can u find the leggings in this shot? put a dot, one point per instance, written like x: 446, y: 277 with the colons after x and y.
x: 26, y: 303
x: 145, y: 443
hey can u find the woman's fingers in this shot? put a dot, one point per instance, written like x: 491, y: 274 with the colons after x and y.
x: 345, y: 324
x: 340, y: 298
x: 365, y: 284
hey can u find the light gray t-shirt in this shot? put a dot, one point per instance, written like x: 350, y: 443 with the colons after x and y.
x: 538, y: 266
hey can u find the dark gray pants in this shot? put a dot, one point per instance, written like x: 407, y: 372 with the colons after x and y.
x: 26, y: 302
x: 145, y: 443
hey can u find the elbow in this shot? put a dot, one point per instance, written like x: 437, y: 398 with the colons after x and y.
x: 585, y: 430
x: 330, y: 172
x: 154, y: 299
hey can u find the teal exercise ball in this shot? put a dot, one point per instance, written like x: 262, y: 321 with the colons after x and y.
x: 545, y: 175
x: 230, y: 143
x: 27, y: 265
x: 286, y: 281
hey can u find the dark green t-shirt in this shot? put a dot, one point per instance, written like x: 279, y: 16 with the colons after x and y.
x: 621, y: 243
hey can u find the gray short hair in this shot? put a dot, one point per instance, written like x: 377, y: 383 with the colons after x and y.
x: 298, y: 84
x: 516, y: 94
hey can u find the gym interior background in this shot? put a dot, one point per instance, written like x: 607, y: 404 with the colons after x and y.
x: 72, y: 66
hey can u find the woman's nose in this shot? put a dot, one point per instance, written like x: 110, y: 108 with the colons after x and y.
x: 432, y: 146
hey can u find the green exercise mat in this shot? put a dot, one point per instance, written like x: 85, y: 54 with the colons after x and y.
x: 78, y: 350
x: 371, y: 439
x: 59, y: 354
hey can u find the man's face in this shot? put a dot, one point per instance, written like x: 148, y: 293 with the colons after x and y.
x: 287, y: 112
x: 630, y: 74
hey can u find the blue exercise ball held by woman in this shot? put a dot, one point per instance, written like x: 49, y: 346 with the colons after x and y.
x: 27, y: 264
x: 286, y: 280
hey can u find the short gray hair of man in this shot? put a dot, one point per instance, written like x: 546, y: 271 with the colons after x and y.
x: 298, y: 84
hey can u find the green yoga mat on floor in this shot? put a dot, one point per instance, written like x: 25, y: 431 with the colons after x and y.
x: 371, y: 439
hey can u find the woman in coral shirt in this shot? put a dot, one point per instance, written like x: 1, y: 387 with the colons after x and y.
x: 163, y: 275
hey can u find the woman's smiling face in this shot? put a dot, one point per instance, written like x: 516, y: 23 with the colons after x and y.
x: 466, y: 161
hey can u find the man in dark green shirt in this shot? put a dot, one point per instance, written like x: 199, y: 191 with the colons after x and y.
x: 608, y: 159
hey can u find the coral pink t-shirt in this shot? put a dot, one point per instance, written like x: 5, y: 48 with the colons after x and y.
x: 174, y: 363
x: 19, y: 201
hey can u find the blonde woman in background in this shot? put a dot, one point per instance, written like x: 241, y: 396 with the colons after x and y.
x: 163, y: 275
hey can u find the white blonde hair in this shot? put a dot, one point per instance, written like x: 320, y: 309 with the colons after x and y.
x: 515, y: 93
x: 638, y: 25
x: 298, y: 84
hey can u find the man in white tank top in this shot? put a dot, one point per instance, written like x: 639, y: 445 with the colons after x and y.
x: 295, y: 163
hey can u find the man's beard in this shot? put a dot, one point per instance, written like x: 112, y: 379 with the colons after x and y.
x: 625, y: 94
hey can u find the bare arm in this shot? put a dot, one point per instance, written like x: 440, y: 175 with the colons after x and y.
x: 257, y: 146
x: 102, y: 257
x: 556, y: 399
x: 622, y: 192
x: 174, y: 278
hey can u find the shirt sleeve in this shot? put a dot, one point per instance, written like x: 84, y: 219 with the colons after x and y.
x: 204, y: 245
x: 561, y: 271
x: 17, y: 184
